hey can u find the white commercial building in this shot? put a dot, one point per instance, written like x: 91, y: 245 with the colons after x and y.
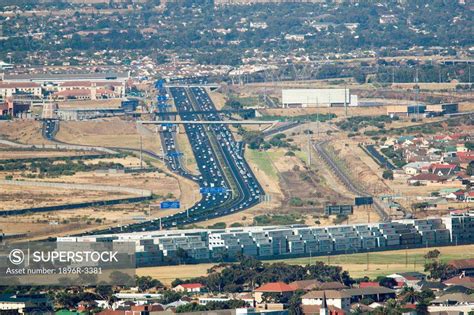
x: 318, y: 98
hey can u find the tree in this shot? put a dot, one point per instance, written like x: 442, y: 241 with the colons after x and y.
x: 469, y: 145
x: 470, y: 169
x: 432, y: 254
x: 440, y: 270
x: 294, y: 304
x: 409, y: 295
x: 191, y: 307
x: 170, y: 297
x: 182, y: 255
x: 145, y: 283
x: 387, y: 282
x: 388, y: 174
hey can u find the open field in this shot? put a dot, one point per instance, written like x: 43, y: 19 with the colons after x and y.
x: 380, y: 263
x: 23, y: 131
x: 112, y: 132
x: 162, y: 185
x: 184, y: 147
x: 19, y: 197
x: 6, y: 154
x: 217, y: 98
x: 112, y: 103
x: 339, y: 111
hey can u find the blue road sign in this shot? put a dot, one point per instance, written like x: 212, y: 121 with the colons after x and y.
x: 170, y: 205
x: 159, y: 84
x: 162, y: 98
x: 175, y: 154
x: 212, y: 190
x: 169, y: 125
x: 360, y: 201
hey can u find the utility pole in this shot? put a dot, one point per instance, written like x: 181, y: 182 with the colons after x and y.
x: 141, y: 153
x: 367, y: 261
x: 345, y: 98
x: 309, y: 148
x: 317, y: 115
x: 406, y: 258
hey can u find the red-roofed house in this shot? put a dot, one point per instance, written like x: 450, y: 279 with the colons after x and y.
x: 469, y: 196
x: 189, y: 287
x: 273, y: 287
x: 465, y: 157
x: 464, y: 281
x: 465, y: 266
x: 425, y: 179
x: 456, y: 195
x: 368, y: 284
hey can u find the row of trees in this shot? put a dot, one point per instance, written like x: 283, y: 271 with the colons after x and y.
x: 249, y: 273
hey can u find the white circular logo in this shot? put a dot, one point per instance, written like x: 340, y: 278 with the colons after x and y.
x: 16, y: 256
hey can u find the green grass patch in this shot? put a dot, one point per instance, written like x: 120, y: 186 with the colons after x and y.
x: 383, y: 263
x: 263, y: 160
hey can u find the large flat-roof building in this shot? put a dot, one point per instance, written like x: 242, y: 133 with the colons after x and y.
x: 161, y: 247
x: 45, y: 78
x: 318, y: 98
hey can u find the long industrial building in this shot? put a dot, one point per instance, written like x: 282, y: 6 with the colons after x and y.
x: 318, y: 98
x: 202, y: 245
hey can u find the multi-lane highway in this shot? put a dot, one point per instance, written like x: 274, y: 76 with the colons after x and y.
x: 226, y: 180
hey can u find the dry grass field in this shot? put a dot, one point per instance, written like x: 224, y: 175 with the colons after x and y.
x: 380, y: 263
x: 23, y: 131
x: 339, y: 111
x: 112, y: 103
x: 19, y: 197
x: 8, y: 153
x: 113, y: 132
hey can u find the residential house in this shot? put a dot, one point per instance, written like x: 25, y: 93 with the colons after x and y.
x: 456, y: 195
x: 338, y: 299
x: 272, y: 287
x: 368, y: 285
x: 463, y: 266
x: 426, y: 179
x: 465, y: 281
x: 378, y: 294
x: 309, y: 285
x: 414, y: 168
x: 434, y: 286
x: 189, y: 287
x: 454, y: 303
x: 469, y: 196
x: 465, y: 157
x: 407, y: 278
x: 305, y: 285
x: 444, y: 170
x: 316, y: 310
